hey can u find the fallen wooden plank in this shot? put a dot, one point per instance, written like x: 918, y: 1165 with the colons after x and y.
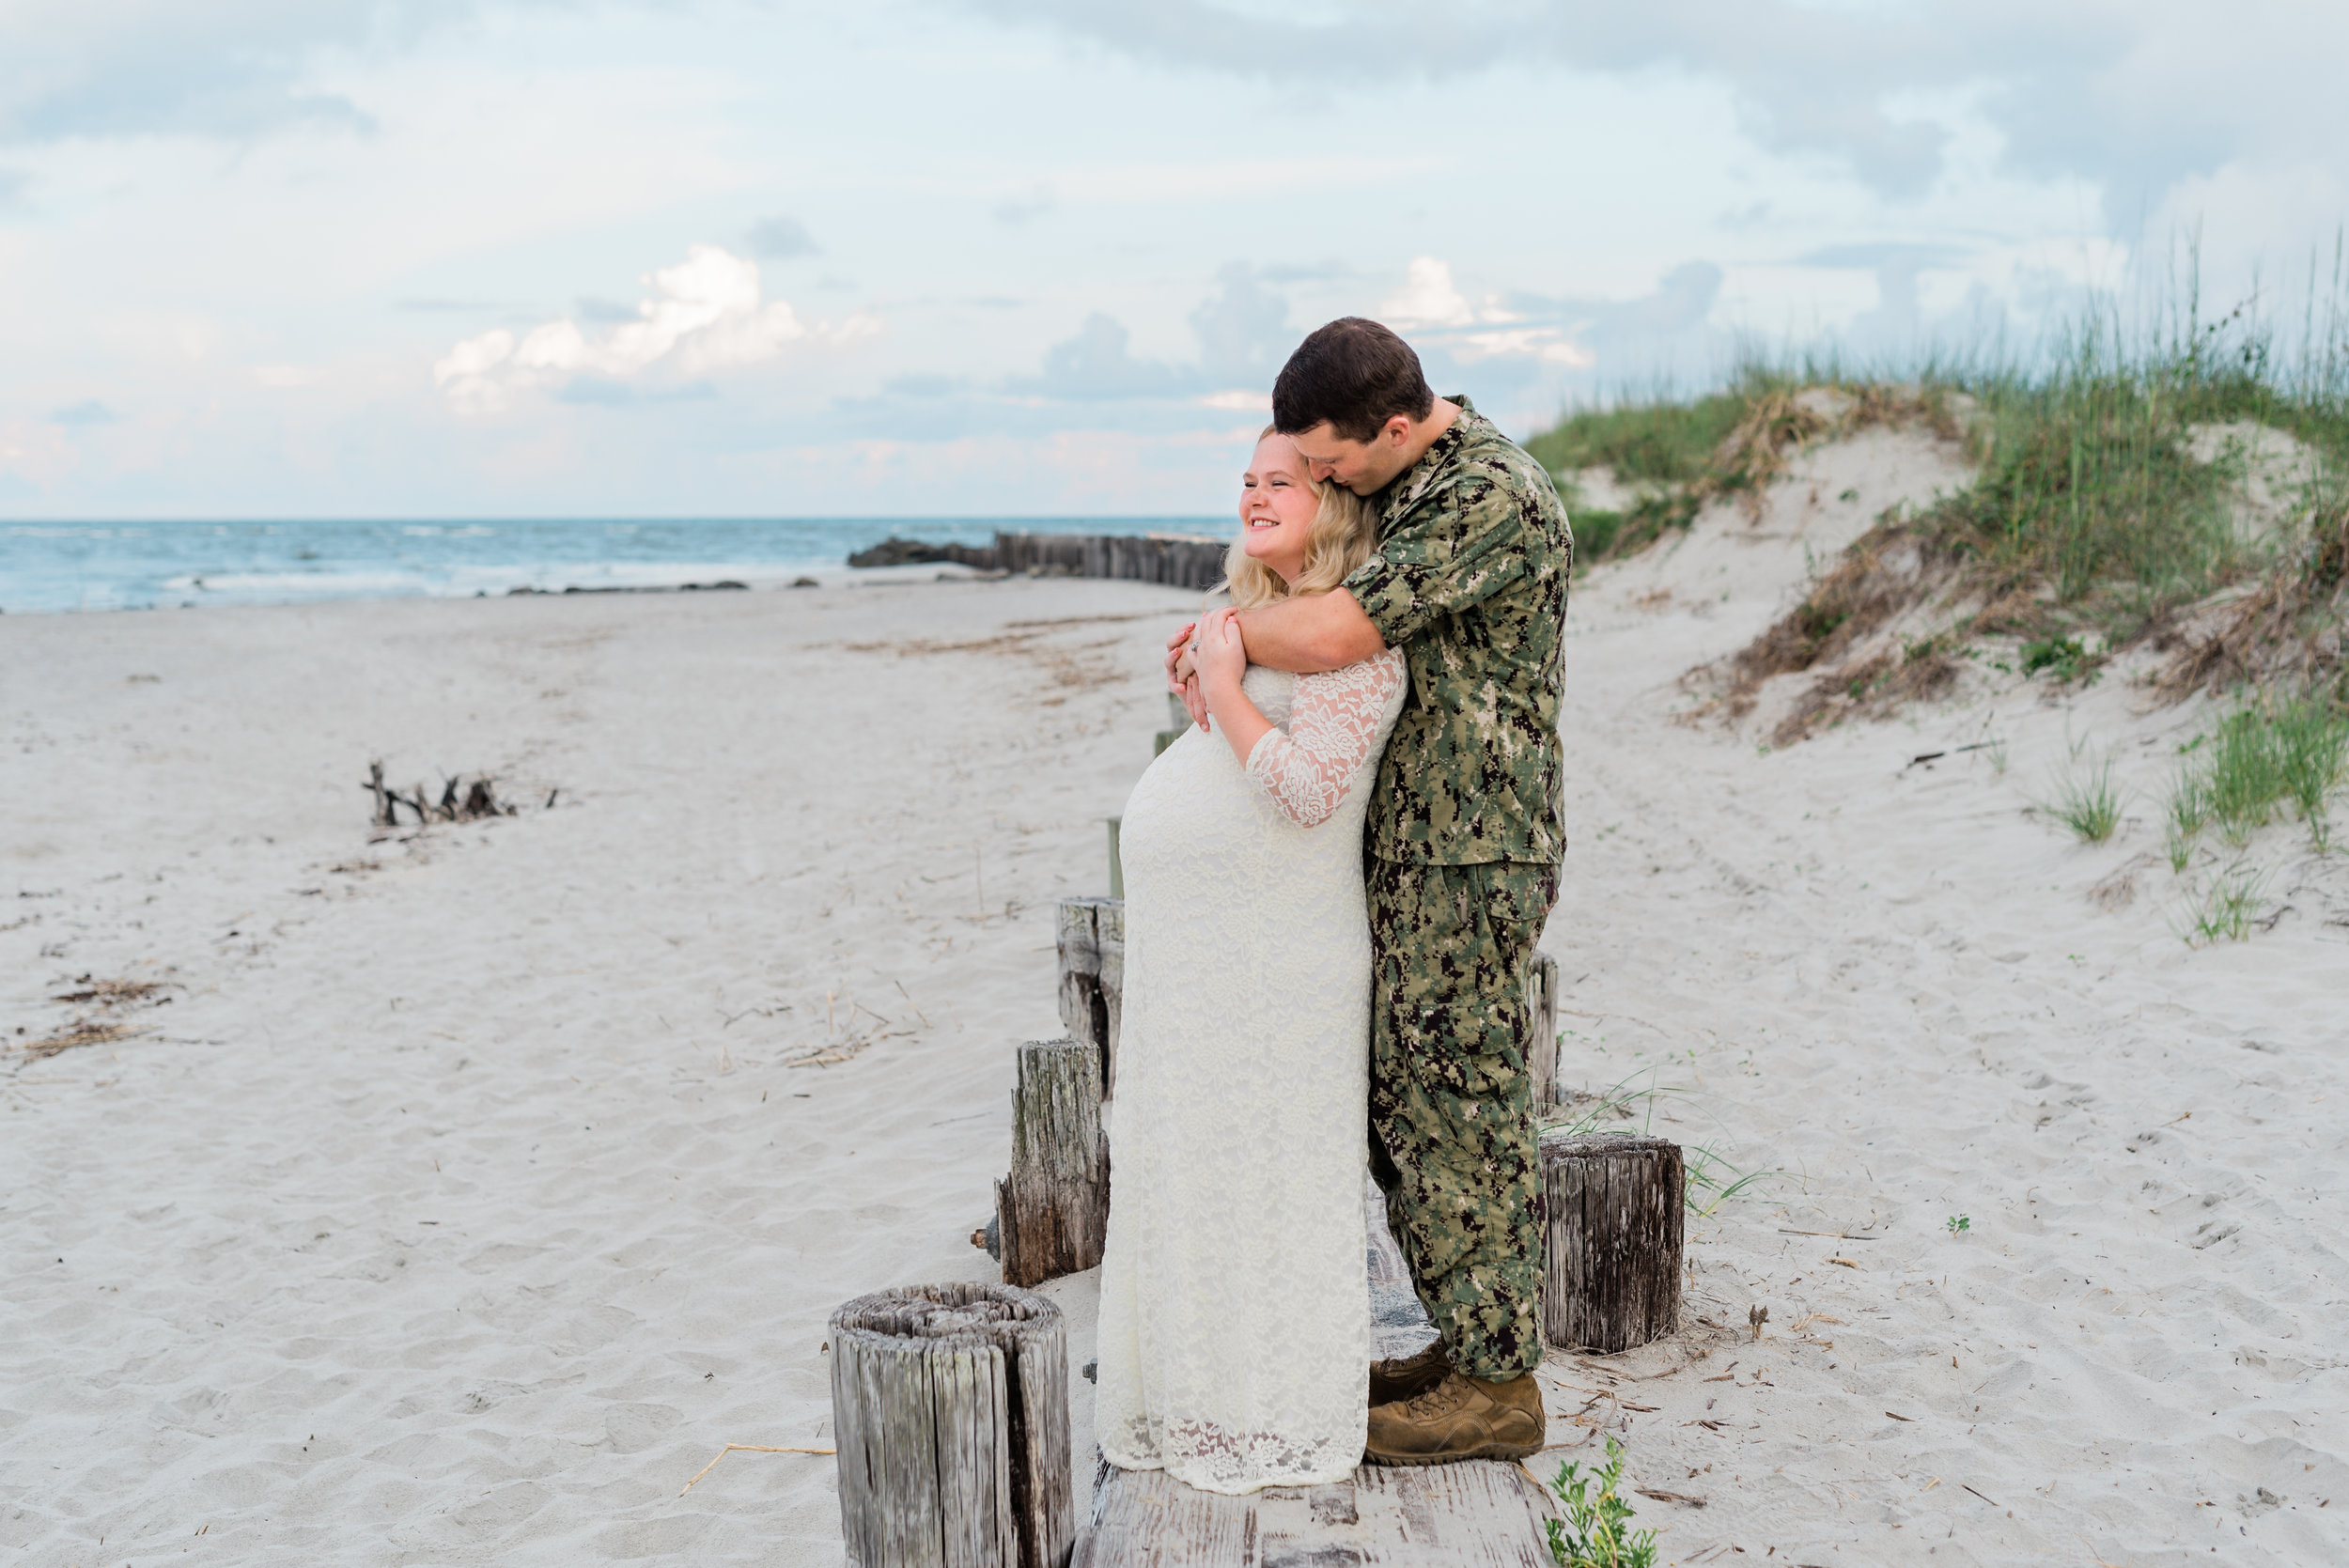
x: 1478, y: 1514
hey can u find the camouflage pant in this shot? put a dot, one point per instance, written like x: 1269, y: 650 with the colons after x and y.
x: 1451, y: 1105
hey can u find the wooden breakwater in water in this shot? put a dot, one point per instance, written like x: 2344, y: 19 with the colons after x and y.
x: 1177, y: 560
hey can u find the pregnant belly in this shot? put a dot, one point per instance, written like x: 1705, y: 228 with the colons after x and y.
x: 1197, y: 824
x: 1192, y: 800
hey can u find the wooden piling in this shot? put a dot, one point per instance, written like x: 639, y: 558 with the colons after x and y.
x: 951, y: 1405
x: 1090, y: 934
x: 1541, y: 1044
x: 1614, y: 1206
x: 1053, y: 1212
x: 1180, y: 561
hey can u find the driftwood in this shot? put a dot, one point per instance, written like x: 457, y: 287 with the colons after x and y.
x: 1614, y: 1207
x: 1053, y: 1212
x: 464, y: 797
x: 1090, y: 934
x: 1541, y: 1041
x: 951, y: 1403
x: 1476, y: 1515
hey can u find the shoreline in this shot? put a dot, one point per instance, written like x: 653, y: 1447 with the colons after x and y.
x: 96, y: 567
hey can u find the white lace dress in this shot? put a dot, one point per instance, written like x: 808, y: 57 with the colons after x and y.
x: 1234, y: 1328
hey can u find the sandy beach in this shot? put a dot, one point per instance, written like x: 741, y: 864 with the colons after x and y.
x: 459, y: 1195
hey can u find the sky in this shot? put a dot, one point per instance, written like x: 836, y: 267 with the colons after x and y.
x: 484, y: 259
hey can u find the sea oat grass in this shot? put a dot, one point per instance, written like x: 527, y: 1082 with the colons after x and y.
x: 2087, y: 802
x: 1654, y: 441
x: 2263, y: 760
x: 2227, y: 907
x: 2099, y: 508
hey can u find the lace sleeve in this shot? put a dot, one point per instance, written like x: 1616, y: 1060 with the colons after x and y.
x: 1334, y: 727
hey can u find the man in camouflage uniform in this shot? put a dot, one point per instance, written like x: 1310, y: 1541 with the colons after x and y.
x: 1464, y: 841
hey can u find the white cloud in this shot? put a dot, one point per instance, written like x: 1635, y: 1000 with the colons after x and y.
x: 705, y: 313
x: 1238, y: 401
x: 1431, y: 305
x: 1429, y: 298
x: 2247, y: 212
x: 1542, y: 343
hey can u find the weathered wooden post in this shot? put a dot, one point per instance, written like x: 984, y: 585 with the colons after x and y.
x: 385, y: 816
x: 1117, y: 863
x: 1053, y: 1212
x: 1614, y: 1207
x: 1541, y: 1046
x: 1090, y: 934
x: 951, y: 1405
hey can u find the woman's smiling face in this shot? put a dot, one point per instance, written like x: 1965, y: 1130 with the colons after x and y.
x: 1277, y: 506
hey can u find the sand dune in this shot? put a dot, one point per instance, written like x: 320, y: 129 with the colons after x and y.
x: 457, y: 1198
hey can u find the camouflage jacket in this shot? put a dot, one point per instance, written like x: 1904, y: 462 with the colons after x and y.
x: 1469, y: 581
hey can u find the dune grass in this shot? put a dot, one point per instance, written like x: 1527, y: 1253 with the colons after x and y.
x: 1708, y: 1180
x: 2087, y: 802
x: 1654, y: 439
x: 2263, y: 760
x: 1660, y: 448
x: 2089, y: 510
x: 2106, y: 512
x: 2227, y: 907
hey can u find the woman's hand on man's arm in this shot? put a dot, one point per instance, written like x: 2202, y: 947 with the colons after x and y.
x: 1182, y: 675
x: 1305, y: 636
x: 1222, y: 660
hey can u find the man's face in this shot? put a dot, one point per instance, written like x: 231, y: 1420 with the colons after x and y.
x: 1365, y: 466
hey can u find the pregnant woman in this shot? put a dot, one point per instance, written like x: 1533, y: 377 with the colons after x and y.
x: 1234, y: 1325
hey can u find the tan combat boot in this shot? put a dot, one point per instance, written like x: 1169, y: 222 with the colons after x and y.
x: 1460, y: 1418
x: 1410, y: 1377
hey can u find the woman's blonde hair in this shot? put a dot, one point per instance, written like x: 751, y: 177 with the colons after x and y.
x: 1342, y: 534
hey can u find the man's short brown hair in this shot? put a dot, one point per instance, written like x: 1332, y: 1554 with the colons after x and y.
x: 1354, y: 375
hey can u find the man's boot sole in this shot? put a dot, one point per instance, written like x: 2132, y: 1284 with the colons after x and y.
x: 1490, y: 1451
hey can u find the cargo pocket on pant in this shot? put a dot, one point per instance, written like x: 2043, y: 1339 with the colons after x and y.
x: 1463, y: 1051
x: 1517, y: 893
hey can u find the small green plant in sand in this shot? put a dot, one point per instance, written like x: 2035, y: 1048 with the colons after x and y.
x: 2062, y: 657
x: 2185, y: 822
x: 1711, y: 1181
x: 2263, y: 760
x: 2225, y: 911
x: 1596, y: 1531
x: 2087, y: 803
x: 1958, y: 1224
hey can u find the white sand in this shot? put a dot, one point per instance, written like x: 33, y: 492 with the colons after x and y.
x: 458, y: 1211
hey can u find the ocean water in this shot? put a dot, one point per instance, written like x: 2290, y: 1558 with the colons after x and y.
x: 82, y: 565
